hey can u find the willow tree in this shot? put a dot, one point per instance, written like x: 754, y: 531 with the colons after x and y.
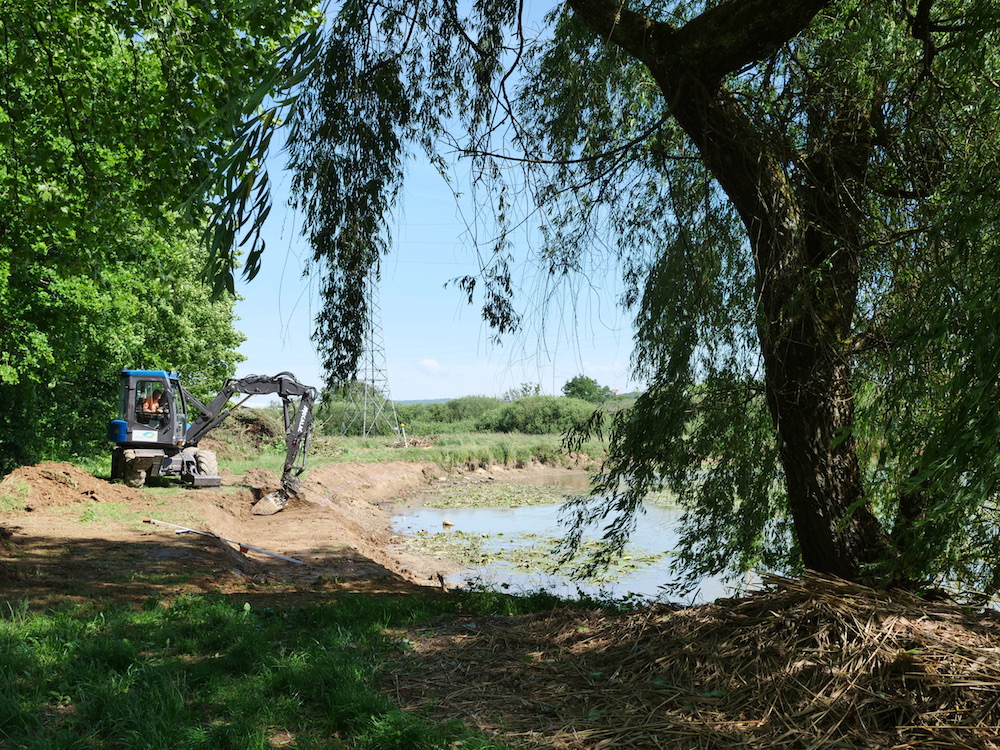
x: 800, y: 195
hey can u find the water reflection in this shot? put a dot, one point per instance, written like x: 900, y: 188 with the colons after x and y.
x: 514, y: 532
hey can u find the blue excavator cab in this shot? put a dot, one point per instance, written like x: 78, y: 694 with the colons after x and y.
x: 149, y: 435
x: 151, y: 410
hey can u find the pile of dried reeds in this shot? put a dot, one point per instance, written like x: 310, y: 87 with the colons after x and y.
x: 811, y: 662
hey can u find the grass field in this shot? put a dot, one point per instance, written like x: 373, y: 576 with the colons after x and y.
x: 207, y: 672
x: 461, y: 449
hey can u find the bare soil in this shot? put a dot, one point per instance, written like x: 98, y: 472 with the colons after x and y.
x: 66, y: 535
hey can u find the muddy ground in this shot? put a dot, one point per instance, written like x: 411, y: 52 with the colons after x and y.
x: 67, y: 535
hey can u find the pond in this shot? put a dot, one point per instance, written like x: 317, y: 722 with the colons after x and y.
x: 511, y: 548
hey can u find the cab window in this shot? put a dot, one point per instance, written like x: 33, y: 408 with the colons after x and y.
x: 152, y: 404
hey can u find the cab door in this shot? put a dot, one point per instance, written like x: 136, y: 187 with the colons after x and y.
x: 147, y: 409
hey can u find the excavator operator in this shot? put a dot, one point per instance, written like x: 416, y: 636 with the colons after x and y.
x: 152, y: 403
x: 152, y: 409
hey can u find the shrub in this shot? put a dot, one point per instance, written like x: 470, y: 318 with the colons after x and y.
x: 328, y: 416
x: 536, y: 415
x: 471, y: 407
x: 420, y: 413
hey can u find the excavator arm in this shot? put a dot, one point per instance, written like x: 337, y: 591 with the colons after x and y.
x: 298, y: 419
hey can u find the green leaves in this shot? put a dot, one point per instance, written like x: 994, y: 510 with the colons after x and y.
x: 69, y: 335
x: 818, y: 230
x: 588, y: 389
x: 113, y: 117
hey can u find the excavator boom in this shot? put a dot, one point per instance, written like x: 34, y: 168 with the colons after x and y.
x: 298, y: 425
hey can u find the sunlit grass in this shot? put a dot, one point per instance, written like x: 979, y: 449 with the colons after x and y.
x: 469, y: 449
x: 14, y: 496
x: 269, y: 459
x: 220, y: 674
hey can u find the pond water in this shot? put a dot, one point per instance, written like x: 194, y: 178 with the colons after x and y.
x: 512, y: 539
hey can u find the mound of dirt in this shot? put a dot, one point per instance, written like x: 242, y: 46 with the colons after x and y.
x: 57, y: 484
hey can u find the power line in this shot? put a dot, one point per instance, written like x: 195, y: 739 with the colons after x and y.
x: 369, y: 406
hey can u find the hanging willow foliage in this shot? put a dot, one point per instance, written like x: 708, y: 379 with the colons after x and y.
x: 799, y: 197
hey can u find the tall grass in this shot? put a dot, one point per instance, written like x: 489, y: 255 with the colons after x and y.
x: 471, y: 449
x: 206, y: 672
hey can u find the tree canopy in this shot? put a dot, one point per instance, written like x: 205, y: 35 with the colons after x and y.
x: 800, y: 197
x: 121, y: 127
x: 588, y: 389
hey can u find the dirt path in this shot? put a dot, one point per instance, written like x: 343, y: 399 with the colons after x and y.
x: 65, y: 534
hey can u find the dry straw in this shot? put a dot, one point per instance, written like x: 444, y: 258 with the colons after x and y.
x: 815, y: 662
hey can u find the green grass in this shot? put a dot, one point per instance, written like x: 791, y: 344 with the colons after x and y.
x: 166, y: 499
x: 99, y: 465
x: 14, y: 498
x: 271, y: 460
x: 472, y: 449
x: 467, y: 449
x: 105, y: 512
x: 206, y: 672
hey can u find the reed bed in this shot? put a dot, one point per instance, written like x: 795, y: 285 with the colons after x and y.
x: 803, y: 663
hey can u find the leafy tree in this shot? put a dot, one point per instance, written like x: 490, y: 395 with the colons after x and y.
x: 114, y: 118
x: 137, y: 106
x: 525, y: 390
x: 800, y: 195
x: 588, y: 389
x: 89, y: 329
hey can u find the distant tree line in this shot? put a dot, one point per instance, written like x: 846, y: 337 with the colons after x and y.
x: 522, y: 409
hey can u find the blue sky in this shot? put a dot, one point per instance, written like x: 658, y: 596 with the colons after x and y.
x: 436, y: 345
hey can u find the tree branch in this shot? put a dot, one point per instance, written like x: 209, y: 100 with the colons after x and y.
x: 720, y: 41
x: 580, y: 160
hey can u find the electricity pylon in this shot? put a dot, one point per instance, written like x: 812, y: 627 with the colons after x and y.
x: 369, y: 407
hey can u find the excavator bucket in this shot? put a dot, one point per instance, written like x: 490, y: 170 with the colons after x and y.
x: 277, y: 500
x: 270, y: 504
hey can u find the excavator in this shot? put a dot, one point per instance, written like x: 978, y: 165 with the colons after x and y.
x: 153, y: 437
